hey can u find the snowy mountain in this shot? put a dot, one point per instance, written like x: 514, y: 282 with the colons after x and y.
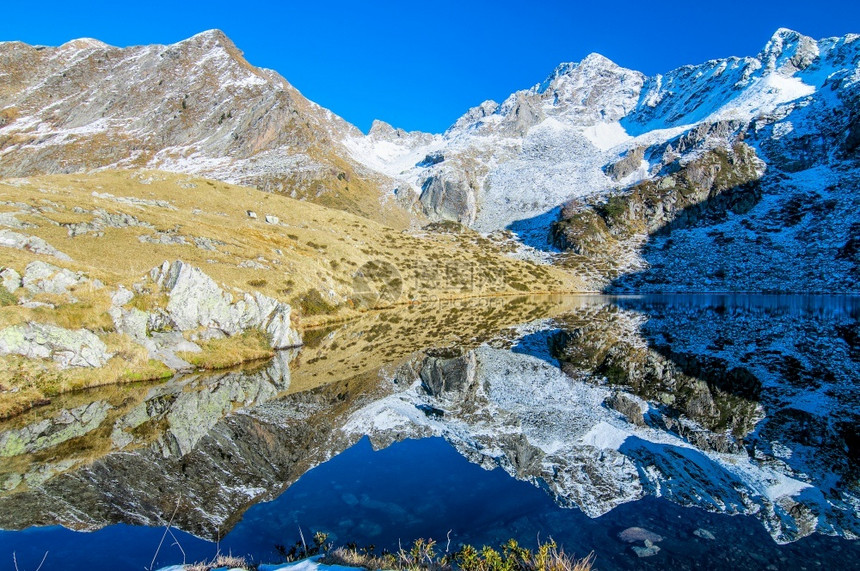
x: 587, y: 138
x: 593, y: 129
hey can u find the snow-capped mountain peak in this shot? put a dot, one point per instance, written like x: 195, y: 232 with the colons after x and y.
x: 789, y: 51
x: 542, y: 146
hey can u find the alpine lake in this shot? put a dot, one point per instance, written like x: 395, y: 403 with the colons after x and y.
x: 723, y: 427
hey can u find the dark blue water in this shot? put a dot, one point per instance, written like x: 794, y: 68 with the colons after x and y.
x: 800, y: 305
x: 424, y: 488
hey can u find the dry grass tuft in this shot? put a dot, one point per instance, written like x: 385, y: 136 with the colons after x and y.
x: 423, y: 556
x: 252, y: 345
x: 220, y: 562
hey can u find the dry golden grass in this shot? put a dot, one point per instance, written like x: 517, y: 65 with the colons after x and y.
x: 220, y: 562
x: 252, y: 345
x: 25, y: 383
x: 311, y: 256
x: 313, y: 247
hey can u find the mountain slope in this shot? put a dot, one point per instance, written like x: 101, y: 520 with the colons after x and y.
x: 584, y: 139
x: 194, y: 107
x: 593, y: 130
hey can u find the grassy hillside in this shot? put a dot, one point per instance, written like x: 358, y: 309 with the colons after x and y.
x: 115, y: 226
x: 311, y: 246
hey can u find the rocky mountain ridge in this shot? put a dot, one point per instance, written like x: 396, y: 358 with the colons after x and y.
x: 196, y: 107
x: 593, y: 130
x: 590, y: 130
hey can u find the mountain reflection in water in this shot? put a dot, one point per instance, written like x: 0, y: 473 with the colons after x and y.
x: 736, y: 404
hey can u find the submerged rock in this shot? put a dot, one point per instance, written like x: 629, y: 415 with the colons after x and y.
x: 648, y: 551
x: 704, y: 534
x: 637, y: 534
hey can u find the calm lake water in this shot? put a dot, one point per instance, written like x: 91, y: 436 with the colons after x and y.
x: 725, y: 424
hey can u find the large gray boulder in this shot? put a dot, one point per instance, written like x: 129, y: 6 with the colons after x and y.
x: 68, y: 348
x: 195, y: 300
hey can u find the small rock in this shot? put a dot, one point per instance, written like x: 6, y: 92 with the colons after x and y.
x: 252, y: 214
x: 40, y: 277
x: 636, y: 534
x: 272, y: 219
x: 647, y: 551
x: 121, y: 297
x: 704, y: 534
x: 11, y: 279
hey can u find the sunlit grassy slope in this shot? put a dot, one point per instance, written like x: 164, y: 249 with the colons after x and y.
x: 115, y: 226
x: 311, y: 247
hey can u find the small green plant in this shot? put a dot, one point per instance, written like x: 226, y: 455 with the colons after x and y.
x: 422, y: 555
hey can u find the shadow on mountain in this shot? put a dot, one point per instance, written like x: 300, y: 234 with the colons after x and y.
x: 693, y: 251
x: 768, y: 235
x: 539, y: 345
x: 532, y: 231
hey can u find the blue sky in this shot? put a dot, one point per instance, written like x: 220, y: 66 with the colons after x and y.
x: 420, y: 65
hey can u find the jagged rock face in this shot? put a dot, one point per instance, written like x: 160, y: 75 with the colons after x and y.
x: 447, y: 199
x: 197, y: 306
x: 195, y: 300
x: 196, y: 106
x: 704, y: 190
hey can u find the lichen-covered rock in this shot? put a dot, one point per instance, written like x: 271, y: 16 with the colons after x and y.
x: 10, y: 239
x: 10, y: 279
x: 68, y: 348
x: 195, y: 300
x: 40, y: 277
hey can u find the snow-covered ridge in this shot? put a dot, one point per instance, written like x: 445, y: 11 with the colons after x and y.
x: 519, y: 159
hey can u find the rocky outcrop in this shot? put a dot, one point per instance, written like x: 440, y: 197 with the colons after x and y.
x: 706, y: 189
x: 40, y: 277
x: 18, y: 241
x: 68, y: 348
x: 195, y: 300
x: 447, y: 198
x: 197, y: 307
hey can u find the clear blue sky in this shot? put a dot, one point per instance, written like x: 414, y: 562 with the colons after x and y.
x: 420, y: 65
